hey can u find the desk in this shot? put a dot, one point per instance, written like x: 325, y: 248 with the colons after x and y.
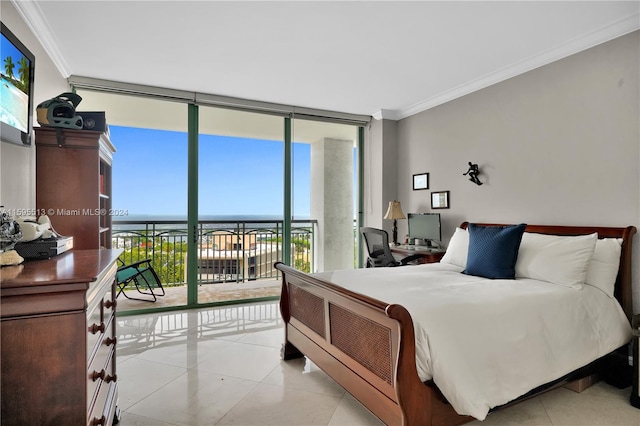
x: 428, y: 256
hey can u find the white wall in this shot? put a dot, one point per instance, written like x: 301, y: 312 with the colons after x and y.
x: 557, y: 145
x: 381, y: 171
x: 17, y: 163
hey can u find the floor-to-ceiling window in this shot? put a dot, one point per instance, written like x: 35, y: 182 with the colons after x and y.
x: 267, y: 187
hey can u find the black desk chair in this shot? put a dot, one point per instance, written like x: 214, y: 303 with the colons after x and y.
x: 377, y: 241
x: 141, y: 275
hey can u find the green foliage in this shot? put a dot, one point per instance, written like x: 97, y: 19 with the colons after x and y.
x: 302, y: 265
x: 167, y: 258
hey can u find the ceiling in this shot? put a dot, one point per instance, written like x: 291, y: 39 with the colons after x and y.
x: 385, y: 59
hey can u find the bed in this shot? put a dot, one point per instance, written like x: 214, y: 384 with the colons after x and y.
x: 373, y: 342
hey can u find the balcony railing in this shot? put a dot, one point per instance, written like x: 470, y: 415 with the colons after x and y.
x: 228, y: 251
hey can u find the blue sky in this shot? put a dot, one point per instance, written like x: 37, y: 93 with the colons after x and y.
x: 236, y: 176
x: 8, y: 49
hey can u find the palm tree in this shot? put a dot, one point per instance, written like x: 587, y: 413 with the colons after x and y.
x: 23, y: 72
x: 8, y: 67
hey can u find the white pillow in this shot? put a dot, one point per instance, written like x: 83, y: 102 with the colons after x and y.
x: 603, y: 268
x: 456, y: 253
x: 556, y: 259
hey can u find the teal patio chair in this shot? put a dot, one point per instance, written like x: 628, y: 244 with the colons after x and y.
x: 143, y: 277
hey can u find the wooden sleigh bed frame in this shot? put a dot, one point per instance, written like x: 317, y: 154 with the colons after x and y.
x: 368, y: 346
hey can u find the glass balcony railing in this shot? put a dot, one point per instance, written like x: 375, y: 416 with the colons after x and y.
x: 228, y: 251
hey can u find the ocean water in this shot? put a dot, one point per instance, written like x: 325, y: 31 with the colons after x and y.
x: 222, y: 221
x: 230, y: 218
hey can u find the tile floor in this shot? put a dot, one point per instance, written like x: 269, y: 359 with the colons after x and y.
x: 221, y: 366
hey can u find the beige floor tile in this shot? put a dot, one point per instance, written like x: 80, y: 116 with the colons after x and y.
x: 244, y: 361
x: 526, y: 413
x: 272, y: 338
x: 195, y: 398
x: 591, y: 407
x: 138, y: 378
x: 130, y: 419
x: 351, y: 413
x: 304, y: 375
x: 276, y: 405
x: 187, y: 354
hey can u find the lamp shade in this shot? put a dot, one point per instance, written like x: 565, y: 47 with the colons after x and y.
x: 394, y: 211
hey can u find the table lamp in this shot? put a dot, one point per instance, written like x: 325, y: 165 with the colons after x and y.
x: 394, y: 212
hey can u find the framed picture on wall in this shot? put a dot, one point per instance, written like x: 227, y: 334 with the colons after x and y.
x: 440, y: 200
x: 421, y: 181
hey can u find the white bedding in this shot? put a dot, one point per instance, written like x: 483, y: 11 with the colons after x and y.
x: 486, y: 342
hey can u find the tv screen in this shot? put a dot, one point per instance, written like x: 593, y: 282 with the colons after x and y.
x: 425, y: 226
x: 16, y: 91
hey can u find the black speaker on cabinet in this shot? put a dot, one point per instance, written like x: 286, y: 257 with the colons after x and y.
x: 93, y: 120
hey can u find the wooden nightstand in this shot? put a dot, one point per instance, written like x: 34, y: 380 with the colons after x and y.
x: 428, y: 256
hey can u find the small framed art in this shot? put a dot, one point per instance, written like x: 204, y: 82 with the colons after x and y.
x: 421, y: 181
x: 440, y: 200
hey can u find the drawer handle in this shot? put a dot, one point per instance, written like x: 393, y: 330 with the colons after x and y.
x: 110, y: 341
x: 110, y: 303
x: 98, y: 421
x: 109, y: 379
x: 96, y: 328
x: 97, y: 375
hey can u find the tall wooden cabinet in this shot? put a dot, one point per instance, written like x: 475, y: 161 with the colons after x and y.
x: 73, y: 184
x: 58, y: 358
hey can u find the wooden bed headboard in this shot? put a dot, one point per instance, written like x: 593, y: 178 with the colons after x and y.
x: 623, y: 290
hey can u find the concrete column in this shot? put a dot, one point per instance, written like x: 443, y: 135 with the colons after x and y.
x: 332, y: 203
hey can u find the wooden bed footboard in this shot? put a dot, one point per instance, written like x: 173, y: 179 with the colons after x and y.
x: 365, y: 345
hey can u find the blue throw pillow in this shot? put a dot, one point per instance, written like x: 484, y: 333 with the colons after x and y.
x: 493, y: 250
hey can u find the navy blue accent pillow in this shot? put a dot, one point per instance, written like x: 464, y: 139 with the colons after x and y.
x: 493, y: 250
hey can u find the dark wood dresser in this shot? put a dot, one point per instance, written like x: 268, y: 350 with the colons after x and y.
x: 58, y: 340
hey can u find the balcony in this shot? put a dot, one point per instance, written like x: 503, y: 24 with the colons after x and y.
x: 235, y: 258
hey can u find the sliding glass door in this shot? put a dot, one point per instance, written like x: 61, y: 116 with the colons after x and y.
x: 240, y: 204
x: 149, y: 191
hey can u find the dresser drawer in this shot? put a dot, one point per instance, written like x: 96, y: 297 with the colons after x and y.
x: 101, y: 366
x: 100, y: 309
x: 102, y: 408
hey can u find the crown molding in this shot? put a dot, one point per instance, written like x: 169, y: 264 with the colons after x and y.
x: 386, y: 114
x: 34, y: 18
x: 578, y: 44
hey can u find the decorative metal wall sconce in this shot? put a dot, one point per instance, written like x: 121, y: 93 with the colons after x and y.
x: 473, y: 173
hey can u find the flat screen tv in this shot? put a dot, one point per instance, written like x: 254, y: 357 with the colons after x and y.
x: 16, y: 91
x: 425, y: 226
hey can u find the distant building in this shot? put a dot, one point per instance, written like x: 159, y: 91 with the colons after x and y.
x: 224, y: 256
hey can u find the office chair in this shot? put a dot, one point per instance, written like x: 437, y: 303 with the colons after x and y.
x: 377, y: 241
x: 141, y: 275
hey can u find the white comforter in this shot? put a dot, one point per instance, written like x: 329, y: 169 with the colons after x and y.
x: 486, y: 342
